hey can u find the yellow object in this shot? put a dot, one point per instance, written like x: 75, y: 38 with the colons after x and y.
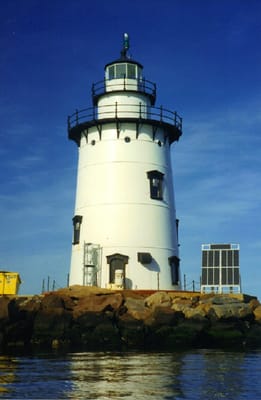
x: 9, y: 282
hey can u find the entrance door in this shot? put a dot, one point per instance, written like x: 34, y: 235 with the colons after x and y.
x: 117, y: 262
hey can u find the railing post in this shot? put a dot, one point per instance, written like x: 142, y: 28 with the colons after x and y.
x: 124, y: 82
x: 93, y: 113
x: 140, y: 108
x: 116, y: 109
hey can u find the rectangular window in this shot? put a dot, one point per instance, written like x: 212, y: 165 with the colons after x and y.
x: 229, y: 276
x: 224, y: 258
x: 111, y: 72
x: 120, y: 70
x: 156, y: 187
x: 77, y: 220
x: 210, y: 276
x: 204, y: 258
x: 236, y: 258
x: 236, y: 276
x: 224, y: 276
x: 216, y: 276
x: 204, y: 276
x: 174, y: 268
x: 210, y: 258
x: 229, y: 259
x: 216, y: 258
x: 131, y: 71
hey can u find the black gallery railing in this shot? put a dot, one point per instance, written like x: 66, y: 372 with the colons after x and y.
x: 123, y: 84
x: 125, y: 111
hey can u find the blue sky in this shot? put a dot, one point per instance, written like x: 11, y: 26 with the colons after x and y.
x: 204, y: 56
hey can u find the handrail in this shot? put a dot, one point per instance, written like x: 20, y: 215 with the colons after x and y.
x: 131, y: 84
x: 130, y: 111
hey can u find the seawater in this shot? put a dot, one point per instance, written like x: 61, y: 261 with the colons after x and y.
x: 200, y: 374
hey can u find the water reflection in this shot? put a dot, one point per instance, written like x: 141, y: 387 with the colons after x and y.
x: 7, y: 373
x: 217, y: 375
x: 169, y: 376
x: 127, y: 375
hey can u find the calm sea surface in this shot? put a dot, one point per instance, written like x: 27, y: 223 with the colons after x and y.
x: 201, y: 374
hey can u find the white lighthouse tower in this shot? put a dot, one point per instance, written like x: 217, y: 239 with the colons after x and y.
x: 125, y: 231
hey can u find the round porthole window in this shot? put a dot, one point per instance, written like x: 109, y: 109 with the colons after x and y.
x: 93, y: 142
x: 159, y: 143
x: 127, y: 139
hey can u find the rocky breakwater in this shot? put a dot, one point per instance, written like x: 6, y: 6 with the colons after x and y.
x: 88, y: 318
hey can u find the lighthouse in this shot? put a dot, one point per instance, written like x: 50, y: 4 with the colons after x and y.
x: 125, y: 231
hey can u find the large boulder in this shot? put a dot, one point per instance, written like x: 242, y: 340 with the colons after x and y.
x: 18, y: 327
x: 161, y: 299
x: 98, y: 303
x: 232, y: 310
x: 52, y: 321
x: 136, y: 308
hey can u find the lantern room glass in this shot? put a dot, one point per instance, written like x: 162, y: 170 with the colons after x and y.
x: 123, y: 70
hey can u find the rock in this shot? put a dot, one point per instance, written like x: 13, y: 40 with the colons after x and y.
x: 69, y: 302
x: 196, y: 313
x: 163, y: 316
x: 257, y: 313
x: 132, y: 332
x: 254, y: 303
x: 202, y: 309
x: 253, y: 336
x: 191, y: 302
x: 218, y: 299
x: 19, y: 327
x: 136, y: 308
x: 95, y: 331
x: 78, y: 291
x: 4, y: 313
x: 224, y: 335
x: 97, y: 304
x: 90, y: 318
x: 161, y: 299
x: 231, y: 310
x: 52, y: 301
x: 51, y: 324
